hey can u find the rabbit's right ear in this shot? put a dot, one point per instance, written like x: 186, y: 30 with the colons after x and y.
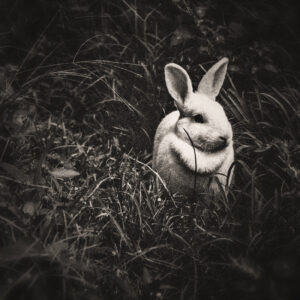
x: 178, y: 83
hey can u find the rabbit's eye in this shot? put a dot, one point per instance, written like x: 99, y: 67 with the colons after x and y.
x: 199, y: 119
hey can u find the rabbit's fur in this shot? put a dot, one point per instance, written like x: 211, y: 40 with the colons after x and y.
x: 200, y: 127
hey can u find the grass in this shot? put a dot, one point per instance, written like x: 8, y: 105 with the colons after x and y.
x: 84, y: 216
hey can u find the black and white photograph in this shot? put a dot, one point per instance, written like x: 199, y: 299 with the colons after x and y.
x: 149, y: 150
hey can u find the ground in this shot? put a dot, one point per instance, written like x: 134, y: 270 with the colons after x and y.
x: 83, y: 215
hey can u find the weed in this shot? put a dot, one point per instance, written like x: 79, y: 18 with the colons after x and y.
x: 83, y: 214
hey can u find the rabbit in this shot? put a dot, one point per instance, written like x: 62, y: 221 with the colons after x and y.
x: 193, y: 146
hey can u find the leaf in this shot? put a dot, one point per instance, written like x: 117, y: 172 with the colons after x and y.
x: 270, y: 68
x: 56, y: 248
x: 63, y: 173
x: 29, y: 208
x: 147, y: 278
x: 116, y: 143
x: 204, y: 50
x: 15, y: 172
x: 179, y: 36
x: 234, y: 68
x: 201, y: 11
x: 19, y: 121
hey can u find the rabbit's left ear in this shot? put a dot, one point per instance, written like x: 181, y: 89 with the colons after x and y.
x: 212, y: 81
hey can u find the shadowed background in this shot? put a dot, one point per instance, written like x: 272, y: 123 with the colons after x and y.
x: 81, y: 94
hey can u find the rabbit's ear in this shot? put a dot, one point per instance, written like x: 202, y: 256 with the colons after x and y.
x: 212, y: 81
x: 178, y: 83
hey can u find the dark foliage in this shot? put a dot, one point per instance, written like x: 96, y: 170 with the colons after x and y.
x: 83, y: 215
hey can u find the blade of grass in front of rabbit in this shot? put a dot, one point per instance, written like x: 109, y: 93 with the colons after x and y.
x: 230, y: 170
x: 195, y: 177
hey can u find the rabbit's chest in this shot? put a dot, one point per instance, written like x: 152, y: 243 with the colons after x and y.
x: 180, y: 179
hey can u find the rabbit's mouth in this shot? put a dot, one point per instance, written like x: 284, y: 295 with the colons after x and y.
x: 203, y: 145
x: 212, y: 147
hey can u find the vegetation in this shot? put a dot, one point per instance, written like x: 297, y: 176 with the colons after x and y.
x: 83, y: 215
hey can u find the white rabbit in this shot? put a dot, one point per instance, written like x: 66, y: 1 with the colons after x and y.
x: 193, y: 147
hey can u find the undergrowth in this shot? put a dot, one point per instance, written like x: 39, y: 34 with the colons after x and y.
x: 83, y: 214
